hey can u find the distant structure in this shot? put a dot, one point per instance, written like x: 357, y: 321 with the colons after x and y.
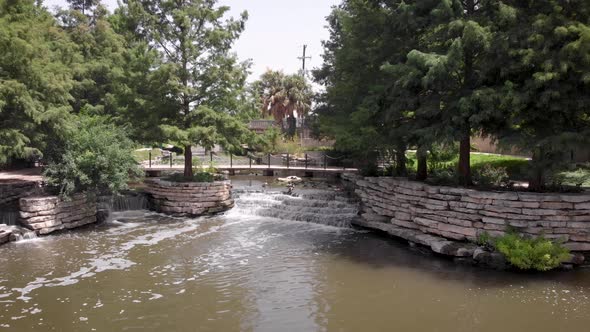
x: 303, y: 58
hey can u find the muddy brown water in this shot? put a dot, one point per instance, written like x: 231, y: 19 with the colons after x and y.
x: 143, y: 271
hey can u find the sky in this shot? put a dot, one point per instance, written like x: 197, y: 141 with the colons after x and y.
x: 275, y: 32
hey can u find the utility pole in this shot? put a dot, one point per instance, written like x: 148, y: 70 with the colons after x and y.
x: 303, y: 58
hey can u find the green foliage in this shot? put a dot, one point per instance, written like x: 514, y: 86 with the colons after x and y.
x: 402, y: 74
x: 282, y: 95
x: 35, y: 79
x: 197, y: 177
x: 270, y: 140
x: 490, y: 176
x: 442, y: 156
x: 199, y: 79
x: 531, y: 253
x: 95, y: 156
x: 484, y: 239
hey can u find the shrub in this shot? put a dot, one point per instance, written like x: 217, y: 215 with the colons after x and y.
x: 531, y: 253
x: 197, y: 177
x: 94, y: 156
x: 490, y: 176
x: 443, y: 176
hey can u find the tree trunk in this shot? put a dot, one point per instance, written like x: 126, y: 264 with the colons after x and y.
x: 400, y: 162
x: 464, y: 160
x: 421, y: 156
x: 188, y: 161
x: 537, y: 178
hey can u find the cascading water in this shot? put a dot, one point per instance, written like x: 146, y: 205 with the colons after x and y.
x: 9, y: 223
x: 9, y: 217
x: 321, y: 207
x: 120, y: 203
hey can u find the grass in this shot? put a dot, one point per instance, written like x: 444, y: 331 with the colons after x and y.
x: 515, y: 166
x: 143, y: 155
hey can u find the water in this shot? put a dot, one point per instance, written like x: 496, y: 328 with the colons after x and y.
x: 247, y: 272
x: 8, y: 217
x: 119, y: 203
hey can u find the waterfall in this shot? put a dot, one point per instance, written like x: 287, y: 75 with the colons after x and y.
x: 126, y: 202
x: 321, y: 207
x: 9, y: 217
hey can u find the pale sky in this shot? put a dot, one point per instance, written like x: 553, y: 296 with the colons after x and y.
x: 275, y: 32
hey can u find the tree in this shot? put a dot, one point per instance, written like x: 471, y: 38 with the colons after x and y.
x: 349, y: 109
x: 544, y: 82
x: 99, y: 70
x: 94, y: 155
x: 200, y: 75
x: 83, y: 6
x: 35, y: 79
x: 284, y: 96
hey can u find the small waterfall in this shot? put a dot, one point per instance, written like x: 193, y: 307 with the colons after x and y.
x: 129, y: 203
x: 321, y: 207
x: 125, y: 202
x: 9, y: 217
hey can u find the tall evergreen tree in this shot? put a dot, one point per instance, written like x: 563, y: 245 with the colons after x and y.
x: 543, y: 65
x: 200, y: 72
x: 35, y: 79
x: 99, y: 72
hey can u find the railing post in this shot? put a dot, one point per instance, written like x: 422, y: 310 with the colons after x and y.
x: 231, y: 161
x: 269, y: 160
x: 211, y: 156
x: 325, y: 161
x: 287, y: 160
x: 250, y: 159
x: 171, y: 157
x: 150, y: 155
x: 306, y: 161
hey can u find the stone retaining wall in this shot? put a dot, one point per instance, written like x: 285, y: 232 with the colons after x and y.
x: 49, y: 214
x: 12, y: 190
x: 462, y: 214
x: 189, y: 198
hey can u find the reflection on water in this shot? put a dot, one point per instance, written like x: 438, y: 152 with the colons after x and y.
x: 241, y: 271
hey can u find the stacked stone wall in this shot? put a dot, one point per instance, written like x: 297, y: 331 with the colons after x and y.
x: 50, y: 213
x: 462, y: 214
x: 189, y: 198
x: 11, y: 191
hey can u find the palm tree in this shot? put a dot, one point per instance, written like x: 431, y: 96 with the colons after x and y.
x: 284, y: 95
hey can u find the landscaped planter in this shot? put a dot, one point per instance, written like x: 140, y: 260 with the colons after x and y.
x: 440, y: 217
x: 189, y: 198
x: 50, y: 213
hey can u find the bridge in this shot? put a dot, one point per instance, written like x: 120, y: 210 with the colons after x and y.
x: 267, y: 170
x: 269, y: 164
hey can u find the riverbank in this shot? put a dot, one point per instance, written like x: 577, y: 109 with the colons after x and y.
x: 449, y: 220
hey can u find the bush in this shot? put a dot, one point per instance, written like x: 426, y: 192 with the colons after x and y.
x: 443, y: 176
x: 490, y: 176
x: 531, y: 253
x: 197, y: 177
x: 96, y: 156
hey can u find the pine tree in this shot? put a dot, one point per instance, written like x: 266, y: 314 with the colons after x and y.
x: 543, y: 65
x: 35, y: 79
x: 199, y: 75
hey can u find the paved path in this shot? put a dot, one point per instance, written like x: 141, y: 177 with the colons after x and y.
x: 26, y: 174
x: 160, y: 168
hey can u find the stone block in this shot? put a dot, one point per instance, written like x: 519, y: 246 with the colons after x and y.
x: 578, y: 246
x: 557, y: 205
x: 471, y: 232
x: 426, y: 222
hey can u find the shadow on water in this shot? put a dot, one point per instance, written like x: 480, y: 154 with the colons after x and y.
x: 377, y: 251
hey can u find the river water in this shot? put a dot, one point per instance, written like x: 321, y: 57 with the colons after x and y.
x: 249, y: 271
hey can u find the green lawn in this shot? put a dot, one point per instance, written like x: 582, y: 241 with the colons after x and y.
x: 515, y: 166
x: 143, y: 155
